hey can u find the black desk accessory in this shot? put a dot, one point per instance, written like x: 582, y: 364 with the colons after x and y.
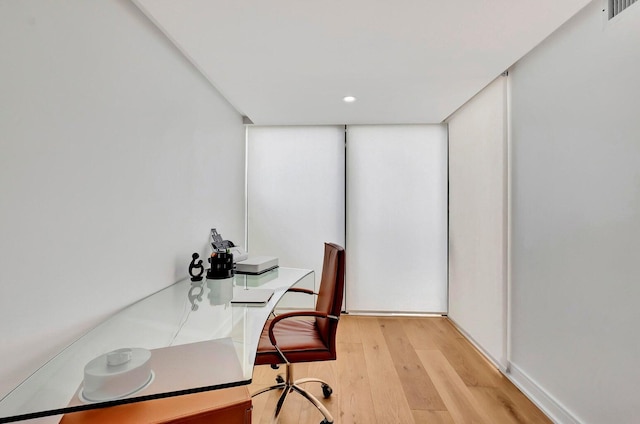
x: 218, y: 244
x: 221, y: 266
x: 196, y: 267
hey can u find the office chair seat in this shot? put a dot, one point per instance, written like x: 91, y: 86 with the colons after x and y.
x: 300, y: 339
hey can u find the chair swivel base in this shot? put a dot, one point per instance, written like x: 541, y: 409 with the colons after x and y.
x: 288, y: 385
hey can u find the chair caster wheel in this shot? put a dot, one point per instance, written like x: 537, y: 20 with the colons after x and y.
x: 325, y: 422
x: 274, y: 366
x: 326, y: 391
x: 279, y: 379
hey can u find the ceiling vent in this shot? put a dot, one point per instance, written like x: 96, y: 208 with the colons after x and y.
x: 617, y: 6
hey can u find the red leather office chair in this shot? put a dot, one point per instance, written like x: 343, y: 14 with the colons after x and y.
x: 293, y: 337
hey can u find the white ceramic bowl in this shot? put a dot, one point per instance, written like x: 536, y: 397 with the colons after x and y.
x: 116, y: 374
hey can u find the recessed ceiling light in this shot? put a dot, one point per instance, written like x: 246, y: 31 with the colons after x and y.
x: 349, y: 99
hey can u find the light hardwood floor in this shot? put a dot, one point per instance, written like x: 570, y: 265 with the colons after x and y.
x: 401, y: 370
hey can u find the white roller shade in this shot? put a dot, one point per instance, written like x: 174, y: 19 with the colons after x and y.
x: 295, y: 193
x: 397, y: 218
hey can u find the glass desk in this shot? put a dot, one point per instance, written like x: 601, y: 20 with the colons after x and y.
x: 198, y: 340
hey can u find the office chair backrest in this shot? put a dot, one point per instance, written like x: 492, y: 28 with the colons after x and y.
x: 331, y: 292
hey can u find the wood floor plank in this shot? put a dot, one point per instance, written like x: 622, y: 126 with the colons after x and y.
x: 437, y: 333
x: 348, y: 329
x: 429, y: 333
x: 460, y: 402
x: 418, y: 388
x: 472, y: 367
x: 432, y: 417
x: 469, y: 363
x: 523, y: 404
x: 504, y: 410
x: 388, y: 397
x: 354, y: 387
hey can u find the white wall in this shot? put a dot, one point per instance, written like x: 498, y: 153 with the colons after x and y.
x: 477, y: 220
x: 110, y: 146
x: 576, y: 218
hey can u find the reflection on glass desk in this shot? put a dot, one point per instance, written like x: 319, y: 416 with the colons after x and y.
x: 198, y: 341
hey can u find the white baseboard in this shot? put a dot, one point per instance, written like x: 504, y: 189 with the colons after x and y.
x: 550, y: 406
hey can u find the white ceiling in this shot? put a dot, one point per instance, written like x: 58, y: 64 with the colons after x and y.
x: 288, y: 62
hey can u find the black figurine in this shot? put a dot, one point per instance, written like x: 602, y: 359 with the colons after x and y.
x: 196, y: 267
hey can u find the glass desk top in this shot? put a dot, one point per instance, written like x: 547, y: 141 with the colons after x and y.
x: 198, y: 341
